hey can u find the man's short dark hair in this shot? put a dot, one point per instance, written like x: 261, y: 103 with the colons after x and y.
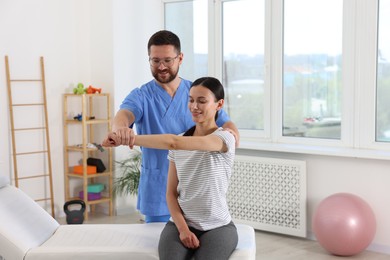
x: 165, y: 37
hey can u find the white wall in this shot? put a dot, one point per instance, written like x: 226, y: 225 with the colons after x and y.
x: 58, y: 31
x: 75, y: 39
x: 103, y: 43
x: 100, y: 43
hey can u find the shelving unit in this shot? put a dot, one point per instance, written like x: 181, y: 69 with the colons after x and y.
x: 79, y: 134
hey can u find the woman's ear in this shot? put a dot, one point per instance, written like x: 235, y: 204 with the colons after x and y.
x: 220, y: 104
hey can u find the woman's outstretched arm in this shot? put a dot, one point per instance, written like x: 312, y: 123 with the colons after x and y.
x: 175, y: 142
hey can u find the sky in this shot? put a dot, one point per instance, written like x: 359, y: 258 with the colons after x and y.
x: 384, y: 24
x: 310, y: 26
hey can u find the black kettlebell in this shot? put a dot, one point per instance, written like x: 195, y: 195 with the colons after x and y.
x: 74, y: 216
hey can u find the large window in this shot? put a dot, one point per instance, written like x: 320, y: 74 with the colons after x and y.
x: 299, y: 75
x: 383, y: 74
x: 312, y: 68
x: 243, y: 62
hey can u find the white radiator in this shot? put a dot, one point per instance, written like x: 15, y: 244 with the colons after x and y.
x: 269, y: 194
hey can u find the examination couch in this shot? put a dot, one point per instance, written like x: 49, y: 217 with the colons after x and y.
x: 28, y: 232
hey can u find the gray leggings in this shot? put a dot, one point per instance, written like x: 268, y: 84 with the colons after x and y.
x: 218, y: 243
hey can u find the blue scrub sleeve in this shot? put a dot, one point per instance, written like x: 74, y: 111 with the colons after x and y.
x: 133, y: 103
x: 223, y: 117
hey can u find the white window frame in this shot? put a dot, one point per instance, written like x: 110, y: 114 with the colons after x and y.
x: 358, y: 81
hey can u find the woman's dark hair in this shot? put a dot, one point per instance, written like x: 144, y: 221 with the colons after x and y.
x: 165, y: 37
x: 215, y: 86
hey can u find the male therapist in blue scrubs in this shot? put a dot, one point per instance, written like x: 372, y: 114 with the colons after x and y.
x: 158, y: 107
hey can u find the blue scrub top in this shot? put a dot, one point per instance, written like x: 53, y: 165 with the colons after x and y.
x: 157, y: 113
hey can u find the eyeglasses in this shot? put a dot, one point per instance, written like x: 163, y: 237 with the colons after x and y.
x: 168, y: 62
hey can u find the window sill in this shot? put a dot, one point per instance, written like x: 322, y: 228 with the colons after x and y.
x: 315, y: 150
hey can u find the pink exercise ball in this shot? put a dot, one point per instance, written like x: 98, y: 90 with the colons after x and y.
x: 344, y: 224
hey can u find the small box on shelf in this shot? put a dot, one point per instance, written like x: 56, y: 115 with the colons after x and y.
x: 78, y: 169
x: 95, y: 187
x: 91, y: 195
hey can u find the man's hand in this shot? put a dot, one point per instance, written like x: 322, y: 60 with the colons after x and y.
x: 236, y: 136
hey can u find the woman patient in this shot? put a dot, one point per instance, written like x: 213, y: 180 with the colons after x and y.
x: 201, y: 162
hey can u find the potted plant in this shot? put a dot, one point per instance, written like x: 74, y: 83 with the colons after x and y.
x: 129, y: 171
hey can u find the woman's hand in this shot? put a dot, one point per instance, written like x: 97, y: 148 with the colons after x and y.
x: 110, y: 140
x: 189, y: 239
x: 122, y: 136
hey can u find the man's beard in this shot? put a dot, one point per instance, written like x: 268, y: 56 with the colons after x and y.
x: 172, y: 75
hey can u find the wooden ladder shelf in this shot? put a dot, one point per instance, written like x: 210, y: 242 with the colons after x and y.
x: 14, y: 117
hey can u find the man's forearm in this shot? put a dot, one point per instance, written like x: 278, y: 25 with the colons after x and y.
x: 122, y: 119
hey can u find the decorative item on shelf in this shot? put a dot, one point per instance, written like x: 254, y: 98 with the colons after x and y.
x: 99, y: 147
x: 129, y: 174
x: 79, y: 90
x: 79, y: 117
x: 92, y: 90
x: 92, y: 146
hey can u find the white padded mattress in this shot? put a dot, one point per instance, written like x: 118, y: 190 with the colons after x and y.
x: 100, y: 242
x: 119, y: 241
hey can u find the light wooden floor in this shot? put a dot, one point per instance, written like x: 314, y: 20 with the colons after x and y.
x: 269, y: 246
